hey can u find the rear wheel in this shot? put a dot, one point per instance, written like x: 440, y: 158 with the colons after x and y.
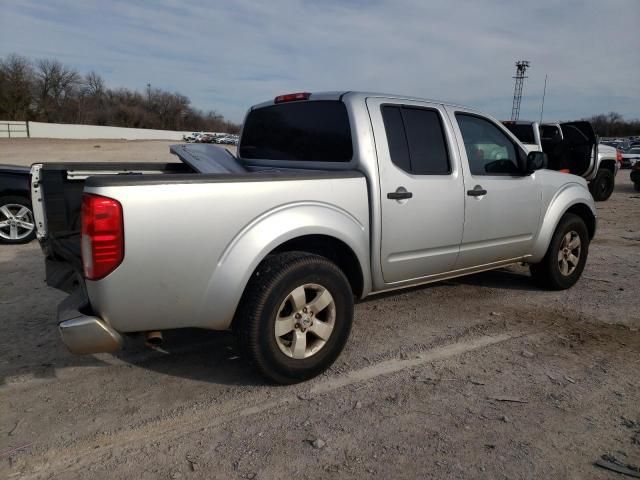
x: 566, y: 256
x: 16, y: 220
x: 295, y: 316
x: 602, y: 186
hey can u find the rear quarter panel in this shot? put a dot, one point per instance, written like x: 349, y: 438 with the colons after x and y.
x: 190, y: 248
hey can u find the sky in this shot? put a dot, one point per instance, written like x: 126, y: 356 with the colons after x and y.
x: 227, y: 56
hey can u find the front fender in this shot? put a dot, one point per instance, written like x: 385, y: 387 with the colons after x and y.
x: 566, y: 197
x: 265, y: 233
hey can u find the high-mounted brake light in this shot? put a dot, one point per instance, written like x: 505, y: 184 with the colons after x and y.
x: 292, y: 97
x: 102, y: 235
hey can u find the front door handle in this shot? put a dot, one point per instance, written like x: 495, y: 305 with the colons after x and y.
x: 477, y: 191
x: 399, y: 195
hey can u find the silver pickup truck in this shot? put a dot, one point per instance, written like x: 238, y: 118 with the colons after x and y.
x: 332, y: 197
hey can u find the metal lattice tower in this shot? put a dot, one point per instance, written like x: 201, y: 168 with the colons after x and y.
x: 521, y: 68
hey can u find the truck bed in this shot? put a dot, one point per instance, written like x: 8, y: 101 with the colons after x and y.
x: 186, y: 238
x: 57, y: 199
x: 166, y: 208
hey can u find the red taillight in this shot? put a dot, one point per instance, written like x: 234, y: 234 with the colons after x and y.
x: 102, y: 235
x: 618, y: 155
x: 292, y: 97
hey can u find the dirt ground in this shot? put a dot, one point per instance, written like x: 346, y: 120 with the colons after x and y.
x: 483, y: 377
x: 25, y: 151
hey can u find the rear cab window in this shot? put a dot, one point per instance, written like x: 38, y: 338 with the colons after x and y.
x: 303, y: 131
x: 416, y: 140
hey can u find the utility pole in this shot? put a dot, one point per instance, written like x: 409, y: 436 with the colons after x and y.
x: 544, y: 93
x: 149, y: 92
x: 521, y: 69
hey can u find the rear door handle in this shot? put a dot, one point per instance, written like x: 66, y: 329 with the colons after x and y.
x: 399, y: 195
x: 477, y: 191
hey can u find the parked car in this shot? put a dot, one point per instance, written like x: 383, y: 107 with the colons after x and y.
x: 207, y: 138
x: 228, y: 140
x: 572, y: 147
x: 630, y: 157
x: 332, y: 196
x: 635, y: 176
x: 16, y: 214
x: 193, y: 137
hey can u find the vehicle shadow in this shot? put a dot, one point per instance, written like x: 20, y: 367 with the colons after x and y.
x: 501, y: 278
x: 31, y: 348
x: 626, y: 188
x: 193, y: 353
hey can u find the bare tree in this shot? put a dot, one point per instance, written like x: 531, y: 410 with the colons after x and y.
x: 56, y: 86
x: 16, y: 87
x: 93, y: 85
x: 53, y: 92
x: 614, y: 125
x: 91, y: 100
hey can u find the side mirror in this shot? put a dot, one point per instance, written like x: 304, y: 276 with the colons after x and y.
x: 536, y: 161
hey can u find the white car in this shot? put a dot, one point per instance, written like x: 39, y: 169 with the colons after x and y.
x: 630, y: 157
x: 193, y: 137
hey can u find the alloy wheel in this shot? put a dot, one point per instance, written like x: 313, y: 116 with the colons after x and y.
x: 569, y: 253
x: 305, y: 321
x: 16, y: 221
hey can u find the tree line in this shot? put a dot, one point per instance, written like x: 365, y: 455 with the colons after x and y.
x: 614, y: 125
x: 46, y: 90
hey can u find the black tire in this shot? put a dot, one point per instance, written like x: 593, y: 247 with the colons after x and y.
x: 5, y: 232
x: 548, y: 272
x: 602, y: 186
x: 268, y: 289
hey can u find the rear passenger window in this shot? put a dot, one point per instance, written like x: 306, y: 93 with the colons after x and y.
x: 416, y: 140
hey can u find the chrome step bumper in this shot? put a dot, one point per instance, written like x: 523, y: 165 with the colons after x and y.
x: 82, y: 333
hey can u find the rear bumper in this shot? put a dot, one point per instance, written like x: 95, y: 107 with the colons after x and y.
x: 83, y: 333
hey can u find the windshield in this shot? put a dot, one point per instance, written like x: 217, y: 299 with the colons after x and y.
x: 299, y: 131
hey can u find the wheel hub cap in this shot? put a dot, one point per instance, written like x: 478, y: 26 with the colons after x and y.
x: 569, y: 253
x: 16, y: 221
x: 305, y: 321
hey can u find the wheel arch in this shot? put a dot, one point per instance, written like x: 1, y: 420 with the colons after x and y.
x: 309, y: 227
x: 571, y: 199
x: 608, y: 165
x: 335, y: 250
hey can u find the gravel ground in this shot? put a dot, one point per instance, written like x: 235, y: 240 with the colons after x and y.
x: 483, y: 377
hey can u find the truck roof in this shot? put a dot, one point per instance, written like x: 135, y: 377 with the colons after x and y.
x: 356, y: 95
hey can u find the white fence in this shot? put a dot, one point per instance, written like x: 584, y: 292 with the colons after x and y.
x: 58, y: 130
x: 10, y: 129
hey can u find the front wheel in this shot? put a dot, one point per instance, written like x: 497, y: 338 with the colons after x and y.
x: 566, y: 256
x: 602, y: 186
x: 295, y: 316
